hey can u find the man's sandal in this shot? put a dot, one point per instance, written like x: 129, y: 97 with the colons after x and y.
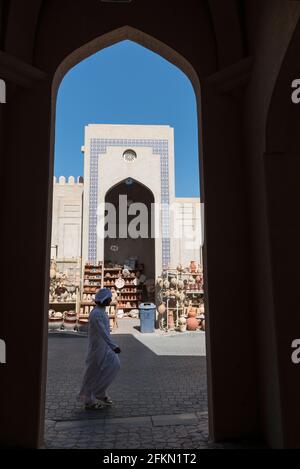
x: 95, y: 406
x: 105, y: 401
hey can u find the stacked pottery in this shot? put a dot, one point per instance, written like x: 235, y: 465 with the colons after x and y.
x: 55, y: 320
x: 160, y: 282
x: 70, y: 320
x: 192, y: 322
x: 174, y: 282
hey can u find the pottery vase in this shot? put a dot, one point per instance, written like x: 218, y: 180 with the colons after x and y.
x: 182, y: 324
x: 171, y: 323
x: 162, y: 309
x: 192, y: 324
x: 192, y: 313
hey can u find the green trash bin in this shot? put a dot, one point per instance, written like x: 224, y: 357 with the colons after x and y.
x: 147, y: 317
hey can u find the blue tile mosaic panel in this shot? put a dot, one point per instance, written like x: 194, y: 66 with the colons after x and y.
x: 160, y: 148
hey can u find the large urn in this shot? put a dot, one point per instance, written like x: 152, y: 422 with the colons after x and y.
x: 55, y: 321
x: 70, y: 320
x: 83, y: 323
x: 171, y: 323
x: 192, y: 322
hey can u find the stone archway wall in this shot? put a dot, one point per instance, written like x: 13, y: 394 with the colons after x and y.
x: 38, y: 39
x: 273, y: 157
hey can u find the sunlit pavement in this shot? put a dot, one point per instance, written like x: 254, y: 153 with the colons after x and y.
x: 160, y: 398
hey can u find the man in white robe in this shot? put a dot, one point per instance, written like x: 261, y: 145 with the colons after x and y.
x: 102, y: 362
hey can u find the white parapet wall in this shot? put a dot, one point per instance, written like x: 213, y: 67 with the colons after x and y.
x: 67, y: 219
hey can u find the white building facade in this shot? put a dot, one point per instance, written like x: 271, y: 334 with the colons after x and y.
x: 137, y: 161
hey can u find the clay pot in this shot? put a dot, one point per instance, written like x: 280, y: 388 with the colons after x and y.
x: 55, y: 324
x: 202, y: 308
x: 171, y: 321
x: 55, y: 320
x: 69, y: 324
x: 181, y: 284
x: 83, y: 324
x: 192, y: 312
x: 193, y: 267
x: 58, y: 316
x: 174, y: 282
x: 192, y: 324
x: 166, y: 284
x: 182, y: 324
x: 52, y: 274
x: 162, y: 308
x: 70, y: 320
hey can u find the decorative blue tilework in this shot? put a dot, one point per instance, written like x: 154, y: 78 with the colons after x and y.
x: 98, y: 148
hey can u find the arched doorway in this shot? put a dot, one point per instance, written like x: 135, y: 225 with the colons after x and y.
x: 137, y: 241
x: 205, y: 43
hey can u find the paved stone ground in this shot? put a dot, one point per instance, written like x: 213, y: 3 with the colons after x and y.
x: 160, y: 394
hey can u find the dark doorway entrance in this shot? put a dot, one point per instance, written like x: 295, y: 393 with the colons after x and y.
x: 138, y: 201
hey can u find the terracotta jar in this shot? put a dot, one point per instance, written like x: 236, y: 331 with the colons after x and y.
x: 70, y: 320
x: 171, y: 321
x: 83, y: 324
x: 193, y: 267
x: 192, y: 313
x: 55, y: 321
x: 192, y: 324
x: 162, y: 309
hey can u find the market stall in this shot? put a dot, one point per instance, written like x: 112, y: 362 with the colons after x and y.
x: 180, y: 299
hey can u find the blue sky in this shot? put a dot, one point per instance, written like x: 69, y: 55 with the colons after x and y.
x: 127, y: 84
